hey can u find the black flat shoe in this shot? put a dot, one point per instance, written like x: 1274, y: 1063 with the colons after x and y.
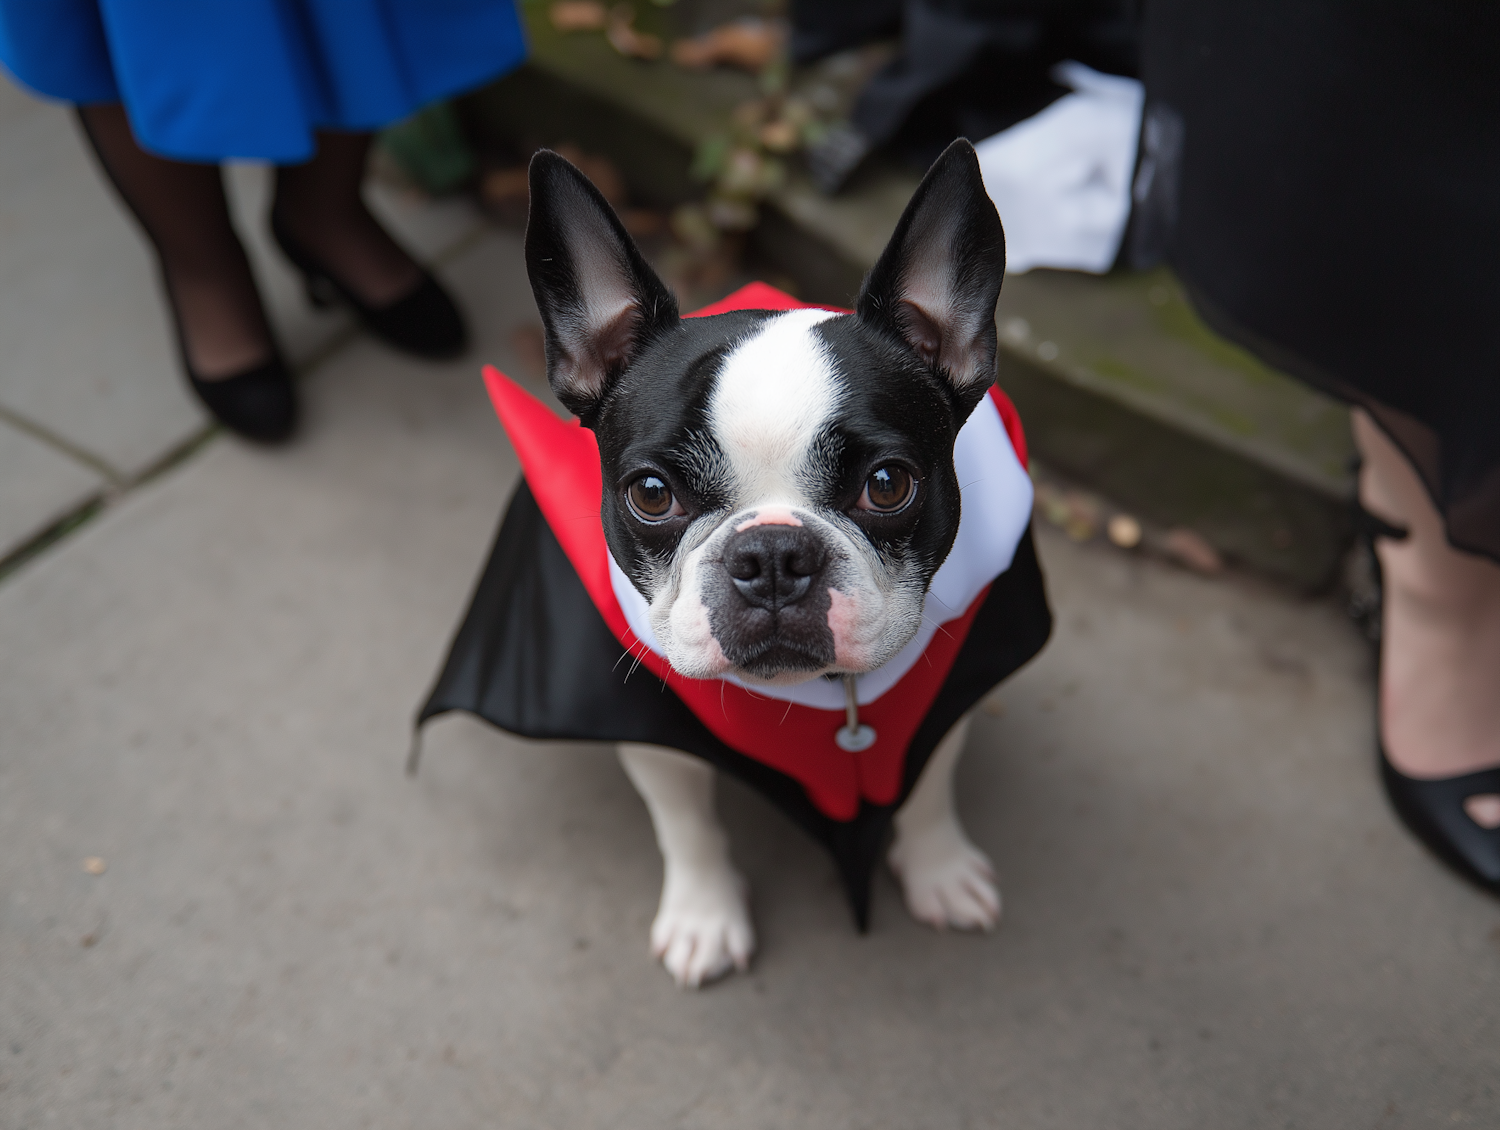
x: 1434, y: 811
x: 259, y: 404
x: 425, y: 322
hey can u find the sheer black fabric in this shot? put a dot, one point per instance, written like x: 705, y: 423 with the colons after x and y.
x: 1324, y: 176
x: 321, y: 205
x: 182, y: 208
x: 185, y: 214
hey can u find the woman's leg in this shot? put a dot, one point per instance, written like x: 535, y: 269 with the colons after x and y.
x: 1440, y: 641
x: 319, y: 204
x: 184, y: 212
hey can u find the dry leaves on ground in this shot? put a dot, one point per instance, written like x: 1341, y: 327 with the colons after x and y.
x: 626, y: 40
x: 750, y: 45
x: 578, y: 15
x: 1124, y: 531
x: 1188, y: 548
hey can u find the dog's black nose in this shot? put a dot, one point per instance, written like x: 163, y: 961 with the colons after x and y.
x: 773, y: 566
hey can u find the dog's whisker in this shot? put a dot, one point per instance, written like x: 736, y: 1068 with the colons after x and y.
x: 630, y: 652
x: 633, y: 667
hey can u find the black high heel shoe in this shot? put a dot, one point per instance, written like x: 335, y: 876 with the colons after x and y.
x: 425, y: 322
x: 1432, y: 810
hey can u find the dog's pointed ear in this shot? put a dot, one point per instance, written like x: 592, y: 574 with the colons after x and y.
x: 936, y: 283
x: 600, y: 302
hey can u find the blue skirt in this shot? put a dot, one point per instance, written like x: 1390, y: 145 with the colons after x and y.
x: 210, y: 80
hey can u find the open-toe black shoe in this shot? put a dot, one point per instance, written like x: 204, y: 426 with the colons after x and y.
x: 425, y: 321
x: 1432, y: 810
x: 259, y: 404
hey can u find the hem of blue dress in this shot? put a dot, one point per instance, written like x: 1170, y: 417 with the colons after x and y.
x: 308, y: 149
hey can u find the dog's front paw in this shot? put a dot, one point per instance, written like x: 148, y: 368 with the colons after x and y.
x: 702, y: 930
x: 947, y: 881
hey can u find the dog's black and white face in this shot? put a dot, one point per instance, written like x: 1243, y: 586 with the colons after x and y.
x: 779, y: 486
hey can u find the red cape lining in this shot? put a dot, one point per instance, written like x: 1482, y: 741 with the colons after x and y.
x: 561, y: 462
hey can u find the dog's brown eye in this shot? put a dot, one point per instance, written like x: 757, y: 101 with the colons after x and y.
x: 652, y: 500
x: 887, y: 490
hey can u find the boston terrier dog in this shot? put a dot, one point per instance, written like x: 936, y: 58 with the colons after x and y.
x: 779, y: 489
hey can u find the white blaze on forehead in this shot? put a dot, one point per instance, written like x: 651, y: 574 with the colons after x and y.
x: 772, y: 397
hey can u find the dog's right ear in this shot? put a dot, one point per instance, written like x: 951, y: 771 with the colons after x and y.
x: 600, y: 302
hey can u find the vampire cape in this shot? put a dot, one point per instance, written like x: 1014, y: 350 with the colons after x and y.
x: 557, y: 644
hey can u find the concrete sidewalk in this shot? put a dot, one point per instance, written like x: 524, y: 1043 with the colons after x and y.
x: 1211, y: 918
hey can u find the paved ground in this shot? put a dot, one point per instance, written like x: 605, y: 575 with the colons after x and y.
x: 91, y: 398
x: 1211, y: 920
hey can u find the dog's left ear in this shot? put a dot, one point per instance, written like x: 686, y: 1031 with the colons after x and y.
x: 937, y: 281
x: 600, y: 302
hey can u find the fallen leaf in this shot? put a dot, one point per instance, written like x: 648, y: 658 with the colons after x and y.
x: 578, y: 15
x: 626, y: 40
x: 750, y: 45
x: 1124, y: 531
x: 780, y: 136
x: 1188, y: 548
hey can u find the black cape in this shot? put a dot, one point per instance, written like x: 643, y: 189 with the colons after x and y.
x: 535, y: 658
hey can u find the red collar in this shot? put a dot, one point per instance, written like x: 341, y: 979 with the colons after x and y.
x: 561, y: 462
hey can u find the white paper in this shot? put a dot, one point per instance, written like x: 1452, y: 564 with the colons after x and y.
x: 1061, y: 179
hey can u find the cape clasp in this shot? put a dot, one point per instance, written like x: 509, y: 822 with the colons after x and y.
x: 852, y: 736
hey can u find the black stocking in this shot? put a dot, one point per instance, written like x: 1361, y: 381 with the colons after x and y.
x: 184, y: 212
x: 319, y: 205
